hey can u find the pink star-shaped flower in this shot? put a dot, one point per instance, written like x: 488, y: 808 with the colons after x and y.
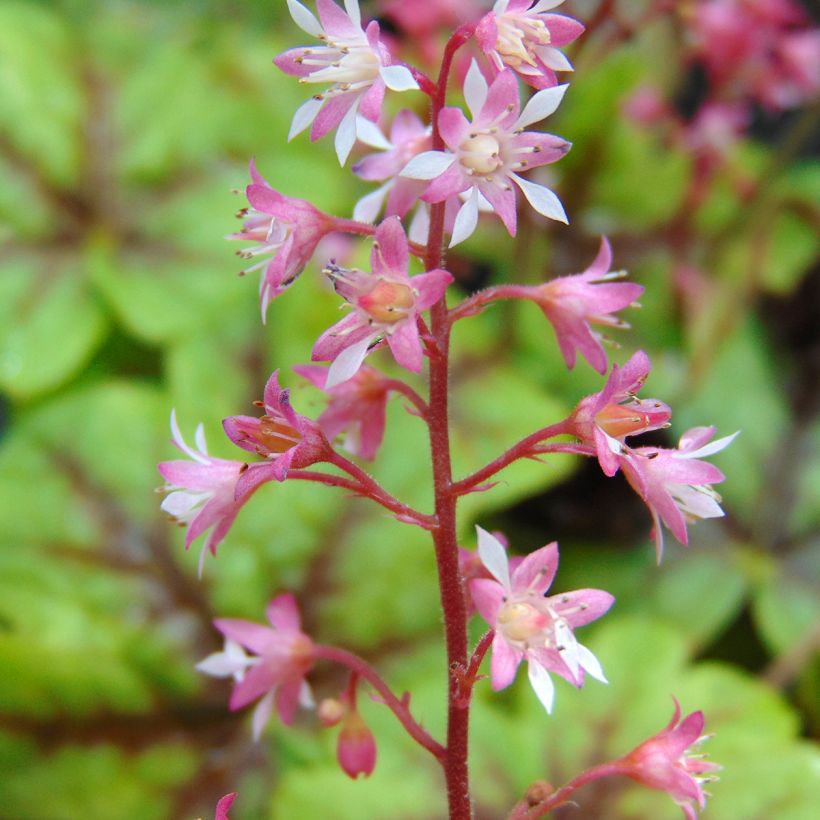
x: 529, y: 625
x: 523, y: 36
x: 605, y: 419
x: 408, y: 137
x: 662, y: 762
x: 281, y: 435
x: 675, y: 484
x: 282, y: 655
x: 386, y: 304
x: 572, y: 304
x: 472, y: 567
x: 284, y: 228
x: 203, y: 491
x: 356, y: 407
x: 486, y: 155
x: 355, y: 64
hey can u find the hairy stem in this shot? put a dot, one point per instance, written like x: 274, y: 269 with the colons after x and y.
x: 398, y: 706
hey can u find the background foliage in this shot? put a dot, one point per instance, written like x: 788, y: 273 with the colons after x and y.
x: 123, y: 128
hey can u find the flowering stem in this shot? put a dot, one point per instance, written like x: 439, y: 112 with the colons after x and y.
x: 366, y: 486
x: 526, y: 810
x: 468, y: 678
x: 444, y: 536
x: 525, y: 448
x: 399, y: 707
x: 366, y: 229
x: 478, y: 301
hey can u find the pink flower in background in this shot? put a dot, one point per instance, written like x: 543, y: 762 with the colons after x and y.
x: 281, y: 435
x: 675, y: 484
x: 282, y: 657
x: 202, y: 491
x: 408, y: 137
x: 522, y: 35
x: 485, y: 156
x: 573, y: 303
x: 662, y: 762
x: 356, y: 407
x: 355, y: 64
x: 386, y: 304
x: 605, y: 419
x: 223, y: 806
x: 287, y: 229
x: 529, y: 625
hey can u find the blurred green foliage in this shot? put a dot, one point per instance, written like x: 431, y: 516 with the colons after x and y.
x: 123, y: 128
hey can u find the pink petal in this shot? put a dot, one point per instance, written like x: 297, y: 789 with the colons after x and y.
x: 504, y: 663
x: 259, y: 639
x: 283, y: 613
x: 405, y: 345
x: 430, y: 287
x: 391, y: 247
x: 453, y: 126
x: 537, y: 570
x: 287, y: 700
x: 488, y: 597
x: 257, y: 681
x: 335, y: 21
x: 562, y: 29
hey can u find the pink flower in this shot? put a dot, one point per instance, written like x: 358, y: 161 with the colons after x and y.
x: 529, y: 625
x: 573, y: 303
x: 486, y: 155
x: 605, y: 419
x: 662, y: 762
x: 675, y: 484
x: 356, y: 407
x: 282, y: 657
x: 386, y: 304
x: 285, y: 228
x: 284, y: 437
x: 408, y: 137
x: 355, y: 64
x: 356, y: 747
x: 472, y: 567
x: 521, y: 35
x: 203, y: 491
x: 223, y: 806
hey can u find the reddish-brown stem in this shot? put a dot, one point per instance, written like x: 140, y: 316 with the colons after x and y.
x: 468, y: 677
x: 366, y: 229
x: 363, y: 484
x: 523, y: 449
x: 398, y: 706
x: 525, y: 810
x: 444, y: 536
x: 478, y: 301
x: 415, y: 399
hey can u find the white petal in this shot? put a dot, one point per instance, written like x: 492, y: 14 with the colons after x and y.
x: 428, y: 165
x: 540, y: 105
x: 353, y: 12
x: 567, y: 647
x: 347, y: 363
x: 420, y: 225
x: 542, y: 199
x: 545, y: 5
x: 398, y: 78
x: 591, y: 664
x: 181, y: 502
x: 346, y: 134
x: 176, y: 435
x: 554, y: 58
x: 261, y: 714
x: 494, y: 557
x: 466, y: 219
x: 304, y: 19
x: 475, y: 89
x: 306, y: 699
x: 542, y: 684
x: 199, y: 439
x: 368, y: 207
x: 304, y: 116
x: 710, y: 448
x: 370, y: 134
x: 700, y: 501
x: 500, y: 6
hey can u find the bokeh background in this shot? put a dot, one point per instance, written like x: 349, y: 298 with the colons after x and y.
x: 124, y: 127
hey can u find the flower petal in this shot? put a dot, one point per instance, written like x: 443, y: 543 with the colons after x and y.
x: 428, y: 165
x: 542, y: 684
x: 542, y: 199
x: 493, y: 556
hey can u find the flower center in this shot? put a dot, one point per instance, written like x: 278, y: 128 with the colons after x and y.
x: 387, y: 302
x: 619, y: 420
x: 350, y: 65
x: 481, y: 154
x: 518, y: 37
x: 274, y: 435
x: 521, y: 622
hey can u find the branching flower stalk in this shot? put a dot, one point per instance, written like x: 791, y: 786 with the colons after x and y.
x: 459, y: 171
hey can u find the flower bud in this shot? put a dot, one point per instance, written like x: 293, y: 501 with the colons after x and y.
x: 330, y: 712
x: 356, y: 749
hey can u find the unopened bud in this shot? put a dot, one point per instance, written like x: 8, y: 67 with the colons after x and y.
x: 330, y: 712
x: 356, y: 749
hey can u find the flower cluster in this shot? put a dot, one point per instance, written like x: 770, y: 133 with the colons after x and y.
x: 440, y: 177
